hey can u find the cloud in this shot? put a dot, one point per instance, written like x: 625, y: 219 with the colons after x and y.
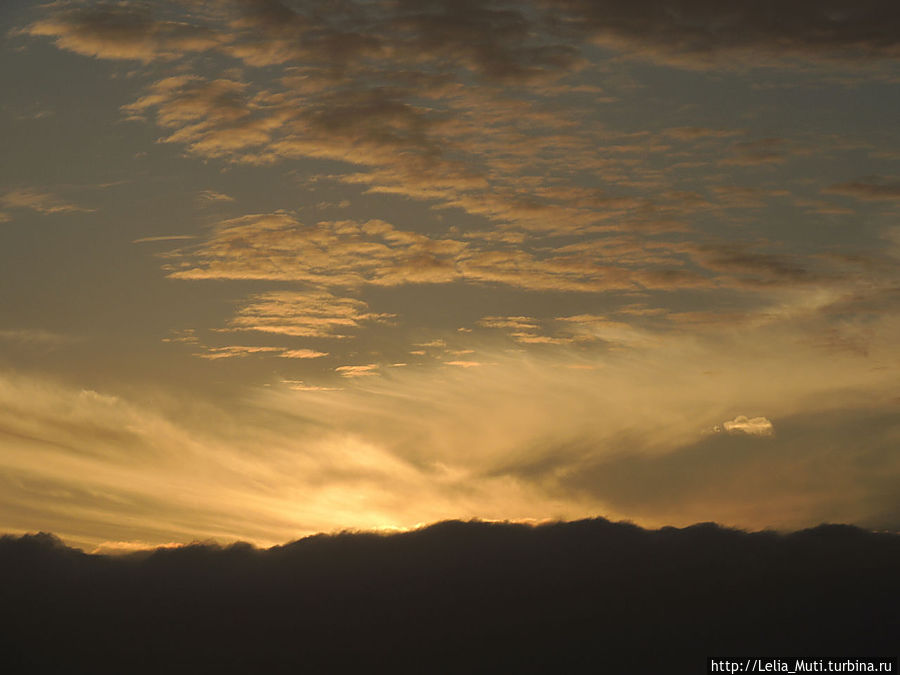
x: 303, y: 314
x: 753, y: 153
x: 184, y: 336
x: 164, y: 237
x: 741, y: 265
x: 517, y: 323
x: 754, y: 426
x: 686, y: 134
x: 870, y: 190
x: 235, y: 351
x: 35, y: 337
x: 542, y: 429
x: 278, y: 247
x: 464, y: 364
x: 814, y: 453
x: 699, y: 34
x: 40, y: 202
x: 300, y: 385
x: 357, y: 371
x: 431, y: 343
x: 346, y: 253
x: 122, y: 31
x: 302, y: 354
x: 532, y: 598
x: 240, y: 351
x: 418, y: 129
x: 213, y: 196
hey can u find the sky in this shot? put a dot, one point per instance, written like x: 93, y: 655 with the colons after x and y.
x: 270, y: 268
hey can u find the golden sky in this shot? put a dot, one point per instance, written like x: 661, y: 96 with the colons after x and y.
x: 270, y: 267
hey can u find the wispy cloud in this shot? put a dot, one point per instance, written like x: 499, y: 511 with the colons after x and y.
x: 39, y: 201
x: 35, y: 336
x: 235, y: 351
x: 357, y: 371
x: 164, y: 237
x: 752, y: 426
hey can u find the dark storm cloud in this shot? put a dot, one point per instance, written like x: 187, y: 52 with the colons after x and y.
x: 589, y: 595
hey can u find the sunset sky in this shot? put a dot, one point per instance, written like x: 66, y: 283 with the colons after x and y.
x: 269, y: 268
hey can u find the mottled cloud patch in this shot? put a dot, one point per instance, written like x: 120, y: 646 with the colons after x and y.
x: 277, y: 246
x: 304, y: 314
x: 751, y: 426
x: 123, y: 31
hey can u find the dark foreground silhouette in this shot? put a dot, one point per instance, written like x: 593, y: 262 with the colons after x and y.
x: 586, y: 596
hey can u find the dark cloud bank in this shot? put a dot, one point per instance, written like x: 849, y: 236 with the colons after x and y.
x: 586, y: 596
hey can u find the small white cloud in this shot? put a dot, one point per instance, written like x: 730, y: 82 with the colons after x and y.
x: 753, y: 426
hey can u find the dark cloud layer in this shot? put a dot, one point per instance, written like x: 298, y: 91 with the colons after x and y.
x: 494, y: 39
x: 454, y: 597
x: 706, y: 32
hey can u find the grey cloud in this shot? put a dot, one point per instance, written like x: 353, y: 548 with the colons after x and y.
x: 754, y: 268
x: 123, y: 31
x: 705, y: 33
x: 870, y: 189
x: 763, y: 151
